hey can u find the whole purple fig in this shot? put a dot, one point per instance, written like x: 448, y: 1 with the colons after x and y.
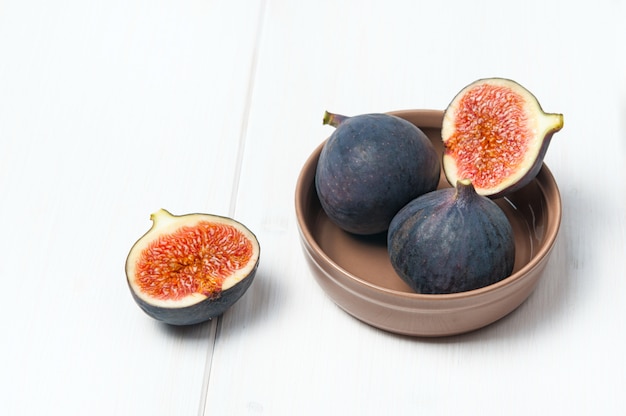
x: 451, y: 240
x: 370, y: 167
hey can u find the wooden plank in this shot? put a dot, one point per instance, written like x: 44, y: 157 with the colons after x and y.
x: 286, y: 349
x: 108, y: 112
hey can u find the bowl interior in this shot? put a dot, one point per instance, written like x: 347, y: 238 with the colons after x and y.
x: 534, y: 213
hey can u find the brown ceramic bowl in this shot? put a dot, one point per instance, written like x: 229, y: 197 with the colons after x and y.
x: 357, y: 275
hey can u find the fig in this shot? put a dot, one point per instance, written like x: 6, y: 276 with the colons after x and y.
x: 370, y: 167
x: 496, y: 134
x: 451, y: 240
x: 191, y: 268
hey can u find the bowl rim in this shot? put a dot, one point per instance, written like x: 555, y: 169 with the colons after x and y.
x: 432, y: 119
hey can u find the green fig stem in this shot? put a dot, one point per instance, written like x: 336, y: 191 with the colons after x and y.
x: 161, y: 218
x: 333, y: 119
x: 556, y: 121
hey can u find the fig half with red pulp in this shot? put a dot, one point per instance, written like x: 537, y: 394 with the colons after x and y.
x: 190, y: 268
x: 496, y: 135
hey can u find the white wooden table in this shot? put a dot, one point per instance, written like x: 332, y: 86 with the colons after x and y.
x: 111, y: 110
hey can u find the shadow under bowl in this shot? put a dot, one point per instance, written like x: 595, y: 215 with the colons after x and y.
x: 356, y: 273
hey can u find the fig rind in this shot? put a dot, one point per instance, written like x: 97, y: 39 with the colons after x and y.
x: 503, y: 127
x: 192, y: 308
x: 451, y: 240
x: 370, y: 167
x: 202, y: 311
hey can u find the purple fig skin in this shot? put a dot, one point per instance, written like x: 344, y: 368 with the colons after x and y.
x: 200, y: 312
x: 451, y: 240
x: 370, y: 167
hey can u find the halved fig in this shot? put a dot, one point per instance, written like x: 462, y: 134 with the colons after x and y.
x: 190, y: 268
x: 496, y: 134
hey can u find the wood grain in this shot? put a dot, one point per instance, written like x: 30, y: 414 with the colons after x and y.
x: 112, y: 110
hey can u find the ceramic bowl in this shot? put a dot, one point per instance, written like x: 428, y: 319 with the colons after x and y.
x: 355, y: 271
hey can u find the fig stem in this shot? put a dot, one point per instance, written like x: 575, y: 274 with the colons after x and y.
x: 332, y: 119
x: 556, y: 121
x: 465, y: 190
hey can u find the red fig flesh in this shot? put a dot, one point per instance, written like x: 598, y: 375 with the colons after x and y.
x: 190, y: 268
x: 496, y: 135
